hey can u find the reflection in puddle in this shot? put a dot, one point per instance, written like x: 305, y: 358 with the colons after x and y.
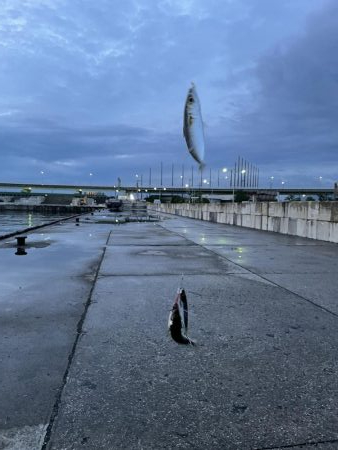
x: 21, y: 251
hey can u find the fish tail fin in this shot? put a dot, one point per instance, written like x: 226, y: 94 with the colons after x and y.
x: 181, y: 338
x: 202, y: 166
x: 189, y: 341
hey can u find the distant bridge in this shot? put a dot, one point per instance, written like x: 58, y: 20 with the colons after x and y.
x: 166, y: 189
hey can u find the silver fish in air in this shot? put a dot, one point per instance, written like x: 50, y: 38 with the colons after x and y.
x: 193, y: 126
x: 178, y: 319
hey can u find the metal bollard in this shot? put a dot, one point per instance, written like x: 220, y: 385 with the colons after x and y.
x: 21, y: 241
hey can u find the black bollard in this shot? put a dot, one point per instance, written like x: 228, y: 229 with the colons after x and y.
x: 21, y: 241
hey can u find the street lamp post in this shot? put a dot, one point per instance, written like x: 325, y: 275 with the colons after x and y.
x: 136, y: 180
x: 187, y: 186
x: 243, y: 173
x: 225, y: 170
x: 279, y: 194
x: 232, y: 180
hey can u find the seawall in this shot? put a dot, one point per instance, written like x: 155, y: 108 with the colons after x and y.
x: 314, y: 220
x: 71, y: 209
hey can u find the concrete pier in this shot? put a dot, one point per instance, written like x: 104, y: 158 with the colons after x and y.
x: 314, y: 220
x: 87, y: 363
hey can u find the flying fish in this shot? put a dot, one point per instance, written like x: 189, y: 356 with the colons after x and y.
x: 193, y: 126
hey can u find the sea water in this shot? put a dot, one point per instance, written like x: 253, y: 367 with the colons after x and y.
x: 12, y: 221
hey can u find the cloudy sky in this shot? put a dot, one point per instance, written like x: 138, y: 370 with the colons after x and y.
x: 93, y: 91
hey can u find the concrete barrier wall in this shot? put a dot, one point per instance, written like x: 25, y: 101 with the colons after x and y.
x: 315, y: 220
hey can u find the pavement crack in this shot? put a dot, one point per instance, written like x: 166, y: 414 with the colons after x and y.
x: 164, y: 274
x: 137, y: 244
x: 79, y: 333
x: 316, y: 305
x: 300, y: 445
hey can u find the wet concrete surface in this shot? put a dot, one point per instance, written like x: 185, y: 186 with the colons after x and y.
x: 42, y: 299
x: 304, y: 266
x: 263, y: 374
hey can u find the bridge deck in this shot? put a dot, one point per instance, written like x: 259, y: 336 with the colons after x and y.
x: 153, y: 189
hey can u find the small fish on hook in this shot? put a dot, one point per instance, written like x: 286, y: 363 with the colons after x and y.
x: 178, y: 319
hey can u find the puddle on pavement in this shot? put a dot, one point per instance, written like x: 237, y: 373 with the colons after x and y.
x: 37, y: 244
x: 22, y: 250
x: 152, y: 253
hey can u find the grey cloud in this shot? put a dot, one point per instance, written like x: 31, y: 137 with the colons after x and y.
x: 291, y: 121
x: 103, y: 83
